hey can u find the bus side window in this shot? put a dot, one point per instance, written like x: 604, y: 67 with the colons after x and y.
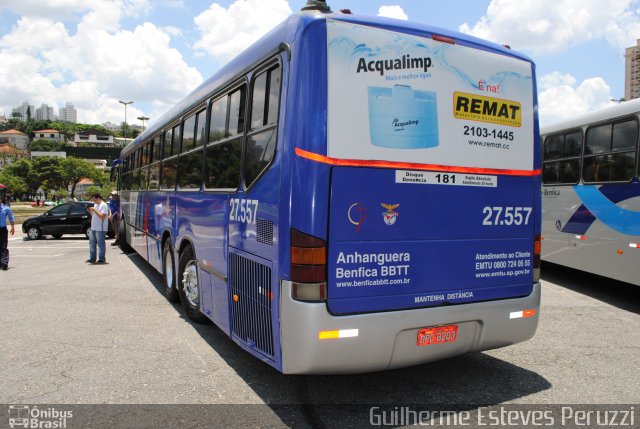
x: 190, y: 165
x: 261, y: 142
x: 168, y: 175
x: 223, y: 156
x: 561, y: 163
x: 236, y: 112
x: 188, y: 136
x: 610, y: 152
x: 166, y: 148
x: 217, y: 127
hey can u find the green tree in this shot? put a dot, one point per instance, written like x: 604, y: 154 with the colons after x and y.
x: 50, y: 172
x: 44, y: 145
x: 23, y: 168
x: 60, y: 194
x: 76, y: 169
x: 17, y: 185
x: 93, y: 189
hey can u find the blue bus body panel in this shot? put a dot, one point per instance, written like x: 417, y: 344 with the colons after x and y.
x: 397, y: 245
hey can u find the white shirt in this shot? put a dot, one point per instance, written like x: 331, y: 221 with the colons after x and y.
x: 98, y: 224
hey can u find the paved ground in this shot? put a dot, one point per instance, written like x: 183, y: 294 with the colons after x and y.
x: 74, y: 333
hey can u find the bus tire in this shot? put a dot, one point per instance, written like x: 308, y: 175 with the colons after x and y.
x: 189, y: 286
x: 122, y: 238
x: 168, y: 273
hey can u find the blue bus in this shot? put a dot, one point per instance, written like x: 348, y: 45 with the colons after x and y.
x: 349, y: 194
x: 591, y: 192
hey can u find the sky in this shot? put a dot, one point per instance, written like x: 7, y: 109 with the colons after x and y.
x: 93, y: 53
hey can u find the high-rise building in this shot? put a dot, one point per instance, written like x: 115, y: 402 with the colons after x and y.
x: 632, y: 72
x: 68, y: 113
x: 45, y: 113
x: 25, y: 111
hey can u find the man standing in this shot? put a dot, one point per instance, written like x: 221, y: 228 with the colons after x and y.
x: 5, y: 213
x: 114, y: 206
x: 99, y: 227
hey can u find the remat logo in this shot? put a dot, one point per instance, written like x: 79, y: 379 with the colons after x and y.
x: 475, y: 107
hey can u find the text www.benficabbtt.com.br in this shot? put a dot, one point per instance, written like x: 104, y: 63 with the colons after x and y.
x: 377, y: 282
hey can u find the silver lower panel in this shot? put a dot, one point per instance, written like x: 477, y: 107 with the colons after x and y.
x: 388, y: 340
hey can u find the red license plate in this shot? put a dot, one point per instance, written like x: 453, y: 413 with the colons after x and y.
x: 437, y: 334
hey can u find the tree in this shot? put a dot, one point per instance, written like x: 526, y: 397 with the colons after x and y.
x: 23, y: 168
x: 60, y: 194
x: 16, y: 185
x: 44, y: 145
x: 50, y: 172
x: 90, y: 190
x: 76, y: 169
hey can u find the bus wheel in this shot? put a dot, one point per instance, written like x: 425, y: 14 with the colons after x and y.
x: 122, y: 238
x: 170, y: 290
x: 189, y: 287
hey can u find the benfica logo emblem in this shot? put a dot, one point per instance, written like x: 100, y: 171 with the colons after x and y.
x: 390, y: 216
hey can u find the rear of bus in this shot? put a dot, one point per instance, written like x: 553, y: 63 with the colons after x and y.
x: 415, y: 197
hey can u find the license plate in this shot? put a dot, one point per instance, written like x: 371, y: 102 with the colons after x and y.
x: 437, y: 334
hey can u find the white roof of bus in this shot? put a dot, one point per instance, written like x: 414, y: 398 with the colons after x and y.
x: 609, y: 112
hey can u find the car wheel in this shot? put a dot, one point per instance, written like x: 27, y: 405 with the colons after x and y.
x: 34, y: 233
x: 56, y: 236
x: 189, y: 287
x: 87, y: 230
x: 168, y: 273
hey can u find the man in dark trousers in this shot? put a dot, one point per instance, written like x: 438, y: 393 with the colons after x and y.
x: 5, y: 213
x: 114, y: 207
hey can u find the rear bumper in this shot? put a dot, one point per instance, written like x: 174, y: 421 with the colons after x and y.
x: 388, y: 340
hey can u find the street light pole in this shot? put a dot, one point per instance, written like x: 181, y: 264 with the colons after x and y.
x: 125, y: 118
x: 143, y: 118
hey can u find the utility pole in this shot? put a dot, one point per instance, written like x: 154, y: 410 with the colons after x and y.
x: 125, y: 118
x: 143, y: 118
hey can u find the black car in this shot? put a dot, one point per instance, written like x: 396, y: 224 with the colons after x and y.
x: 67, y: 218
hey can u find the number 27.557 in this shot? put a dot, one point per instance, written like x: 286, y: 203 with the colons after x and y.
x: 243, y: 210
x: 506, y: 215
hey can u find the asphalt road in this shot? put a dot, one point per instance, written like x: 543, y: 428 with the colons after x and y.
x: 74, y: 333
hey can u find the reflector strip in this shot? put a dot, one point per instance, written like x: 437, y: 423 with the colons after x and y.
x: 444, y: 39
x: 581, y: 237
x: 342, y: 333
x: 634, y: 245
x: 410, y: 165
x: 520, y: 314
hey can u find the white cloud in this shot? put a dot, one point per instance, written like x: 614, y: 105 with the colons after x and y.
x: 68, y: 9
x: 226, y: 32
x: 552, y: 26
x: 561, y: 97
x: 93, y: 68
x: 393, y: 11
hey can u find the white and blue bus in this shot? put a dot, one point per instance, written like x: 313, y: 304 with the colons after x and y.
x: 349, y: 194
x: 591, y: 193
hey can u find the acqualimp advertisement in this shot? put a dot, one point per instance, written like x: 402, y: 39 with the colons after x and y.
x: 404, y: 98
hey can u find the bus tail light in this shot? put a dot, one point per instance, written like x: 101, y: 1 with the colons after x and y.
x: 537, y: 248
x: 308, y: 267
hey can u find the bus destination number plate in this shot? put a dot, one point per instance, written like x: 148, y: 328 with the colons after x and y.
x: 437, y: 334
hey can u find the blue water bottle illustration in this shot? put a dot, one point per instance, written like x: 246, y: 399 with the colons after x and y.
x: 403, y: 118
